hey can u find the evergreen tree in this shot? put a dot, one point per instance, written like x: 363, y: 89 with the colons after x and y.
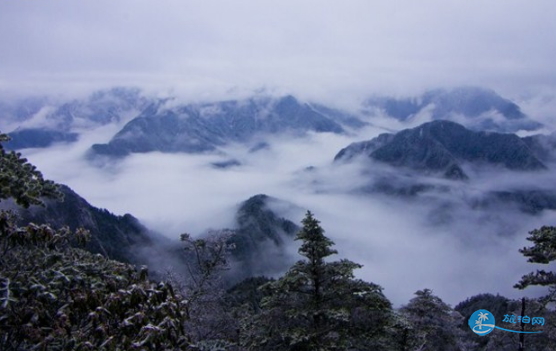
x: 543, y: 251
x: 496, y: 304
x: 318, y: 305
x: 435, y: 322
x: 504, y: 341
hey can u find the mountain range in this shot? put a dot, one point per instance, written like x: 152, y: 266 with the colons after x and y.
x: 167, y: 125
x: 205, y: 127
x: 445, y: 147
x: 259, y: 236
x: 476, y: 108
x: 40, y: 122
x: 419, y: 158
x: 467, y: 135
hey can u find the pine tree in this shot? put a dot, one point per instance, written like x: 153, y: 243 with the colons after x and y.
x: 543, y: 251
x: 435, y: 323
x: 318, y: 305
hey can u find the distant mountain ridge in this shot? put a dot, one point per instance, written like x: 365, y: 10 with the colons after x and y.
x: 476, y: 108
x: 442, y: 147
x: 165, y: 125
x: 37, y: 137
x: 41, y: 122
x: 205, y: 127
x: 544, y: 146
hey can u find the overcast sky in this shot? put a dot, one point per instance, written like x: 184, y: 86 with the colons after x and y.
x: 313, y: 48
x: 336, y: 51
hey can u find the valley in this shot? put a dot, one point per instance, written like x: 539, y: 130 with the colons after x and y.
x: 402, y: 212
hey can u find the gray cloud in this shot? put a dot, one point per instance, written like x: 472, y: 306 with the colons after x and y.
x: 320, y: 49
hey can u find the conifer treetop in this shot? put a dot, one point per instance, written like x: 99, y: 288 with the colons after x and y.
x: 316, y: 246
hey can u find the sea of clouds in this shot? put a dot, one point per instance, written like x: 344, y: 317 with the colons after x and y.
x: 401, y: 243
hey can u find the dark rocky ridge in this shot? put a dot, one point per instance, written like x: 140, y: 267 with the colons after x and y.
x: 122, y: 238
x: 418, y: 156
x: 261, y: 238
x: 36, y: 137
x: 543, y: 146
x: 442, y: 147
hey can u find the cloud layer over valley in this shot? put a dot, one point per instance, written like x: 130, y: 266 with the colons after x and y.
x: 437, y: 240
